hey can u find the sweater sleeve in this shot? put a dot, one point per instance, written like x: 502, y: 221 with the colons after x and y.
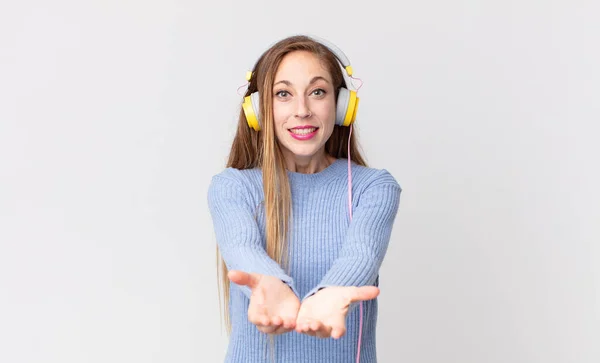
x: 367, y: 238
x: 237, y: 232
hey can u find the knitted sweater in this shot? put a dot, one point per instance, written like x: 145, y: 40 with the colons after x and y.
x: 326, y: 249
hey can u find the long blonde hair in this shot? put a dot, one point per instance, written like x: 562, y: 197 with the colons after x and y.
x: 261, y: 149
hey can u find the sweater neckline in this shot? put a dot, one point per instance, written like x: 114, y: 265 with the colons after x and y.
x: 334, y: 168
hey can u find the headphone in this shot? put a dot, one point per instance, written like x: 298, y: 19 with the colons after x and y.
x: 346, y: 105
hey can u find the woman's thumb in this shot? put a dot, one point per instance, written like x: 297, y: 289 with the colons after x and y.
x: 243, y: 278
x: 364, y: 293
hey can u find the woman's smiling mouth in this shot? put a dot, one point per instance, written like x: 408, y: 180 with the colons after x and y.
x: 303, y: 132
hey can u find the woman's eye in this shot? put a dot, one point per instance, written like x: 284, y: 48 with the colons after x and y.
x: 319, y: 92
x: 282, y: 93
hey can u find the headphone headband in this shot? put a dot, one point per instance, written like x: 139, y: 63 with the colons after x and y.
x: 335, y: 50
x: 341, y: 57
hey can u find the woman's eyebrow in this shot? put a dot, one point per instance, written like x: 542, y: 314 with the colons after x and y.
x: 313, y: 80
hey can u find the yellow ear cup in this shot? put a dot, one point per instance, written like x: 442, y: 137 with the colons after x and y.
x: 250, y: 114
x: 355, y: 111
x: 351, y: 110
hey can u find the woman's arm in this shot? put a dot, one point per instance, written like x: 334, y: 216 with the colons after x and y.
x: 237, y: 232
x: 368, y: 236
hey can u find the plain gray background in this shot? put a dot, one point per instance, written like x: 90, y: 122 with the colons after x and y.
x: 115, y: 114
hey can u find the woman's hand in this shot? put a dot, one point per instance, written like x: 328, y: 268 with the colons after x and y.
x: 273, y: 305
x: 324, y: 314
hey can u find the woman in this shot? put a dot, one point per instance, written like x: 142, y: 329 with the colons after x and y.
x: 296, y: 255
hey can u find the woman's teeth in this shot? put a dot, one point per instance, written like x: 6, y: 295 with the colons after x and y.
x: 303, y: 131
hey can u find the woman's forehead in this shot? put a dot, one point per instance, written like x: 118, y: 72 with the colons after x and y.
x: 301, y: 66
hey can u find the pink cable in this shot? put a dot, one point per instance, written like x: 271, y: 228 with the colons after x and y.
x: 361, y: 83
x: 349, y: 176
x: 238, y: 90
x: 350, y: 210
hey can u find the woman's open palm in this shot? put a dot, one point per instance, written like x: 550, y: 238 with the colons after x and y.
x: 273, y: 305
x: 324, y: 314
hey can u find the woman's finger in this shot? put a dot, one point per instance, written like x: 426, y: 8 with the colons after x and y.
x: 265, y: 321
x: 307, y: 330
x: 315, y: 328
x: 337, y: 332
x: 259, y: 319
x: 266, y: 329
x: 310, y: 332
x: 265, y: 325
x: 324, y: 331
x: 338, y: 326
x: 276, y: 320
x: 364, y: 293
x: 289, y: 322
x: 281, y: 330
x: 302, y: 325
x: 276, y: 325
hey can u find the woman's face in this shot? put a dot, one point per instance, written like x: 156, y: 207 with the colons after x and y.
x: 303, y: 105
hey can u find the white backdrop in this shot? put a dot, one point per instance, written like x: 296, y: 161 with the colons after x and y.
x: 115, y: 114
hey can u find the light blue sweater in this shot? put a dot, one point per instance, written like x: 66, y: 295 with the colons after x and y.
x: 326, y: 249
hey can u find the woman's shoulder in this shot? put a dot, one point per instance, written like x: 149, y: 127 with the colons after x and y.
x: 238, y: 176
x: 368, y: 176
x: 238, y: 181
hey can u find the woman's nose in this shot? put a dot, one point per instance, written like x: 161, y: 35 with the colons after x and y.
x: 302, y: 111
x: 304, y: 114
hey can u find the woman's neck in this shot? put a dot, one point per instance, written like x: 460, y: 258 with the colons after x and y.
x: 308, y: 165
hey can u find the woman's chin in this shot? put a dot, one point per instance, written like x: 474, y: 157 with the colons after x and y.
x: 304, y: 152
